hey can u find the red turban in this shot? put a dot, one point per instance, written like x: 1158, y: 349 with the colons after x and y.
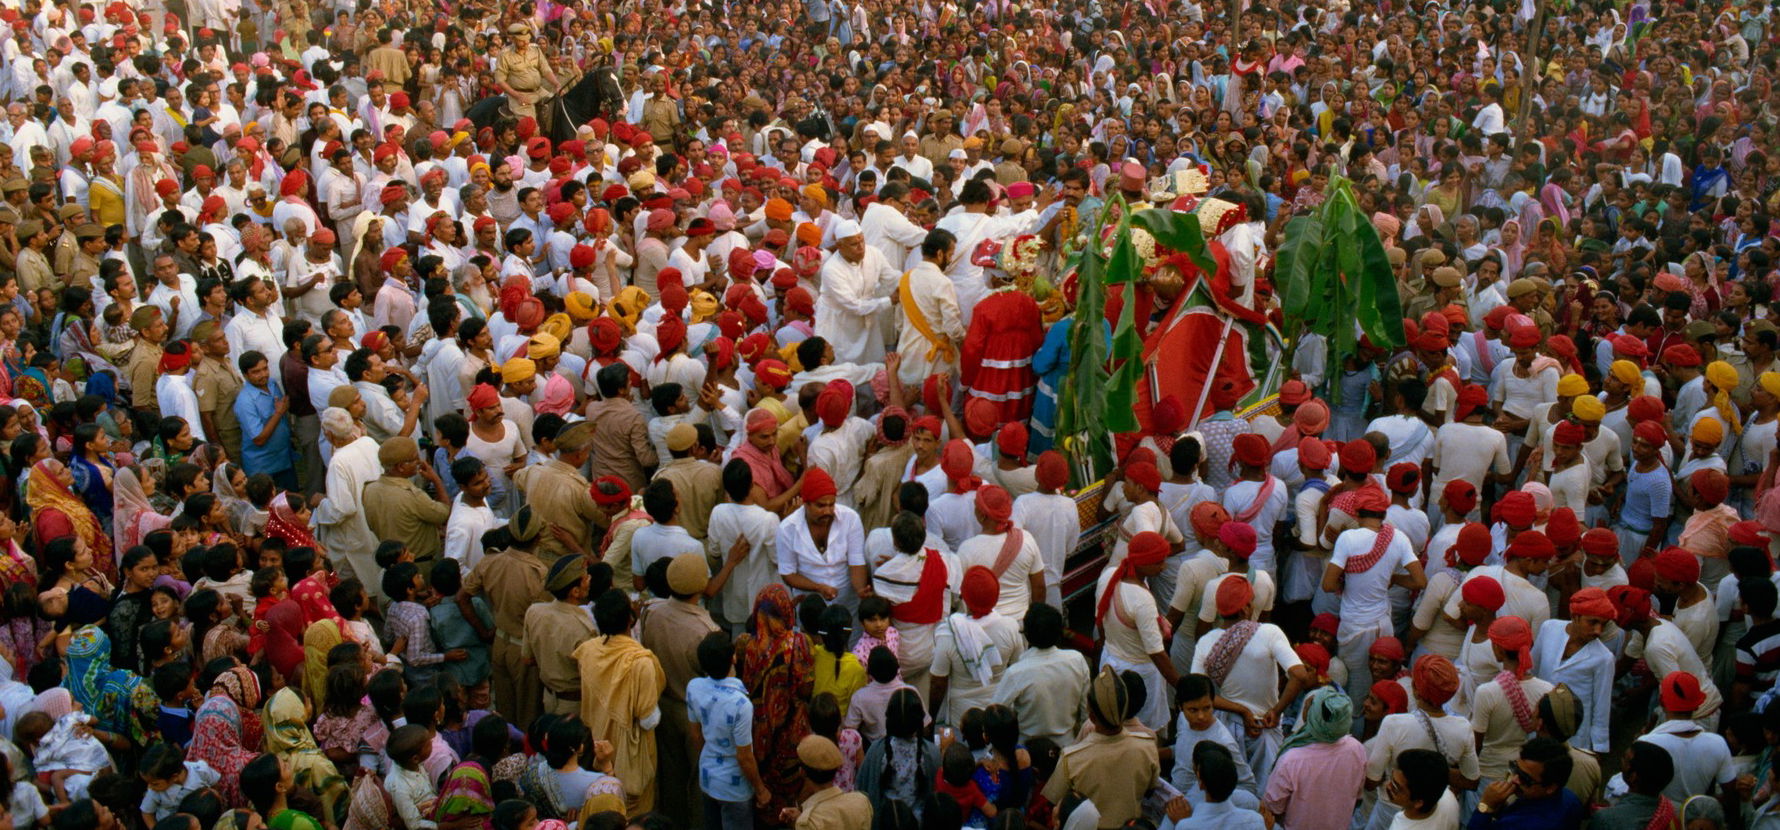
x: 929, y: 424
x: 1473, y: 546
x: 1145, y: 475
x: 1681, y: 692
x: 1390, y: 648
x: 1390, y: 692
x: 1681, y: 354
x: 1484, y: 592
x: 1513, y: 635
x: 1569, y: 434
x: 981, y: 590
x: 1315, y: 657
x: 620, y: 497
x: 1461, y: 496
x: 1012, y: 440
x: 1233, y: 596
x: 1403, y: 477
x: 1313, y: 454
x: 1053, y: 470
x: 1645, y: 408
x: 1517, y: 509
x: 294, y: 183
x: 1531, y: 544
x: 1147, y: 548
x: 817, y: 485
x: 1747, y: 534
x: 173, y: 361
x: 1370, y: 499
x: 1168, y: 416
x: 1651, y: 432
x: 1206, y: 517
x: 1225, y: 393
x: 1600, y: 541
x: 1435, y: 679
x: 1678, y: 565
x: 774, y: 373
x: 1239, y: 538
x: 1471, y: 397
x: 483, y: 397
x: 1251, y: 450
x: 1711, y: 486
x: 835, y: 402
x: 1358, y: 456
x: 957, y: 461
x: 760, y: 420
x: 605, y: 335
x: 670, y: 334
x: 981, y: 417
x: 1592, y: 602
x: 1326, y: 623
x: 997, y: 508
x: 1631, y: 605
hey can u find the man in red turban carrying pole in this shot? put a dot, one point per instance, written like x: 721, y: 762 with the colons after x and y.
x: 1368, y: 560
x: 821, y: 545
x: 1136, y: 639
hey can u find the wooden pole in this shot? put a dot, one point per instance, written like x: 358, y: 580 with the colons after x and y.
x: 1528, y: 73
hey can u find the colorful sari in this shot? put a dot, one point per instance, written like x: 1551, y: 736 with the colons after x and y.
x: 284, y: 524
x: 221, y: 732
x: 776, y: 666
x: 119, y: 700
x: 132, y: 517
x: 467, y: 793
x: 56, y: 512
x: 288, y: 737
x: 371, y: 807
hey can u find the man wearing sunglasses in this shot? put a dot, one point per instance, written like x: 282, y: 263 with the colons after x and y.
x: 1532, y: 796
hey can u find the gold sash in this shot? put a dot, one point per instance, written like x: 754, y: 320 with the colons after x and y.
x: 941, y: 348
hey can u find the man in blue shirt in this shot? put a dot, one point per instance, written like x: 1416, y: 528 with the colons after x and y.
x: 1215, y: 768
x: 1536, y: 785
x: 262, y: 409
x: 722, y: 721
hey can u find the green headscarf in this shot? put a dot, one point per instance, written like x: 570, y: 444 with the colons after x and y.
x: 1328, y: 716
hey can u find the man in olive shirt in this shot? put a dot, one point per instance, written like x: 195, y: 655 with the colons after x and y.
x: 145, y: 358
x: 396, y: 508
x: 1113, y: 767
x: 553, y: 630
x: 697, y: 482
x: 216, y: 383
x: 621, y: 444
x: 559, y: 493
x: 673, y: 630
x: 511, y: 580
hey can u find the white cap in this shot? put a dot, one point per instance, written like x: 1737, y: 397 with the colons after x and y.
x: 957, y: 153
x: 844, y: 228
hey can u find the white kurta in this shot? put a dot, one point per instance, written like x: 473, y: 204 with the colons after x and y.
x: 853, y: 295
x: 729, y: 522
x: 971, y: 229
x: 174, y: 396
x: 887, y: 230
x: 937, y: 300
x: 340, y: 519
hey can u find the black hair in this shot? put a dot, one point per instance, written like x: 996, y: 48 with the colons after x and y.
x: 1553, y: 755
x: 398, y: 581
x: 1044, y: 626
x: 1216, y: 770
x: 171, y: 679
x: 716, y: 655
x: 161, y: 761
x: 881, y: 664
x: 1425, y: 771
x: 259, y: 781
x: 611, y: 612
x: 1651, y: 766
x: 1194, y: 687
x: 567, y: 738
x: 1759, y: 596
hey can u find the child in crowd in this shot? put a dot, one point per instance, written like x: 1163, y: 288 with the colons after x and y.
x: 169, y: 777
x: 875, y: 629
x: 409, y: 786
x: 956, y: 771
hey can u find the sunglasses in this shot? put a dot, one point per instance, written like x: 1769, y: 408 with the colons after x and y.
x: 1525, y: 778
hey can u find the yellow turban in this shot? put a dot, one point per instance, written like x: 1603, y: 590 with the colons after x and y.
x: 1627, y: 372
x: 481, y: 164
x: 1723, y: 377
x: 580, y: 307
x: 557, y: 325
x: 704, y: 305
x: 628, y: 306
x: 544, y: 345
x: 817, y: 193
x: 1708, y: 430
x: 1589, y: 408
x: 518, y: 370
x: 1572, y: 385
x: 1769, y: 382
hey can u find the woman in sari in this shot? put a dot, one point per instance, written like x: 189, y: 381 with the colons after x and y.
x: 324, y: 628
x: 229, y: 485
x: 286, y: 523
x: 466, y: 799
x: 89, y: 459
x: 120, y: 701
x: 776, y: 665
x: 56, y: 512
x: 288, y: 737
x: 225, y: 730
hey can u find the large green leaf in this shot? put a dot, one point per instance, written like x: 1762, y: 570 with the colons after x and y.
x: 1178, y: 231
x: 1294, y: 268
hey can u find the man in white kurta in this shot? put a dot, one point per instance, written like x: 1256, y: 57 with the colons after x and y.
x: 887, y: 229
x: 1366, y: 562
x: 174, y: 395
x: 971, y: 226
x: 856, y: 286
x: 1007, y: 551
x: 1588, y: 672
x: 340, y: 518
x: 1052, y: 520
x: 929, y: 323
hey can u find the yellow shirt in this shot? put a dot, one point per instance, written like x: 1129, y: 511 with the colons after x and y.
x: 842, y: 680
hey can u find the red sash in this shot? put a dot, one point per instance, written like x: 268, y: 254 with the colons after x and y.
x: 928, y: 604
x: 1248, y: 514
x: 1010, y: 548
x: 1380, y: 544
x: 1483, y: 352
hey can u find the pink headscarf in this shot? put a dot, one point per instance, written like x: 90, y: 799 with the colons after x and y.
x: 558, y: 398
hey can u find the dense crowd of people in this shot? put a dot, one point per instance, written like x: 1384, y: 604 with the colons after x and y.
x: 664, y: 430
